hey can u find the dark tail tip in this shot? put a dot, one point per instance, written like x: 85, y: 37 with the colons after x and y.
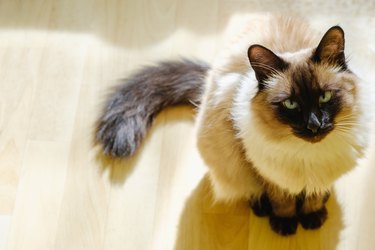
x: 118, y: 137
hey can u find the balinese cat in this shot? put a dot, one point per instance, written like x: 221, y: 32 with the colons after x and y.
x: 280, y: 117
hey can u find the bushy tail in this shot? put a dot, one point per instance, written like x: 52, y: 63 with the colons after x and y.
x: 130, y: 110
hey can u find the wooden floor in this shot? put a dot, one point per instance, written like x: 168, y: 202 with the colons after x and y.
x: 59, y: 59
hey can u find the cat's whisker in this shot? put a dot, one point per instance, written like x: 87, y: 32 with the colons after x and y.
x: 341, y: 119
x: 344, y: 131
x: 350, y: 118
x: 348, y: 124
x: 347, y: 120
x: 344, y: 127
x: 265, y: 66
x: 347, y: 127
x: 344, y: 134
x: 347, y: 115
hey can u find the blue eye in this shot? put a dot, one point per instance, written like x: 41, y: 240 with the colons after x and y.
x: 289, y: 104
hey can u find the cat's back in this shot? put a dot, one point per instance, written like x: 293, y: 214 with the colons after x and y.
x: 284, y: 34
x: 281, y: 34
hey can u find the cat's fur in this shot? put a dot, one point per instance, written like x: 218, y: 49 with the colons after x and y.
x: 255, y: 148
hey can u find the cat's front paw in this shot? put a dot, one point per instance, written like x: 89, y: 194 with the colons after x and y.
x: 313, y: 220
x: 262, y: 207
x: 284, y: 225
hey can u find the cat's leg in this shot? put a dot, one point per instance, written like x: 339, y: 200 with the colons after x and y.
x: 261, y: 206
x: 235, y: 186
x: 313, y: 212
x: 283, y: 219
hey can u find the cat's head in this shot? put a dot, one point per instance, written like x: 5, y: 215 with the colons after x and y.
x: 310, y: 93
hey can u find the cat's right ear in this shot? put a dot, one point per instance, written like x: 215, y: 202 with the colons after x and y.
x: 265, y: 63
x: 331, y: 48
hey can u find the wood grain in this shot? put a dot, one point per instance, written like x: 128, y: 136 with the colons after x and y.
x: 59, y: 60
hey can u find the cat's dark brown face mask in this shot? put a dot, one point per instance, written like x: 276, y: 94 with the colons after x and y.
x: 310, y: 108
x: 306, y: 95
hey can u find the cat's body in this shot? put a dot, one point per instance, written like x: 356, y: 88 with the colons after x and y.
x: 288, y: 161
x: 277, y: 125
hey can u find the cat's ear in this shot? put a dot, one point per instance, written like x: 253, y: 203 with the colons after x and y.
x: 265, y: 63
x: 331, y: 48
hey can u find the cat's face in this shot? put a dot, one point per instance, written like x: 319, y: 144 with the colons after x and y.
x: 308, y: 96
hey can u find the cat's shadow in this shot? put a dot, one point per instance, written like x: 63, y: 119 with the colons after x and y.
x: 205, y: 225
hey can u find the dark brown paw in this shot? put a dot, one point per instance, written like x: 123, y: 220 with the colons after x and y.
x: 262, y: 207
x: 284, y: 225
x: 313, y: 220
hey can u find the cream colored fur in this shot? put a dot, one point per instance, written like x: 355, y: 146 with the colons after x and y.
x: 241, y: 151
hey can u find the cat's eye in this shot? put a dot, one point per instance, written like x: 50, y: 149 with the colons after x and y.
x: 326, y: 97
x: 289, y: 104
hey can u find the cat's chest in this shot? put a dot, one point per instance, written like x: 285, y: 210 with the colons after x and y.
x: 297, y: 167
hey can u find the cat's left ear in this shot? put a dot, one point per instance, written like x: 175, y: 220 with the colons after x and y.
x: 331, y: 48
x: 265, y: 63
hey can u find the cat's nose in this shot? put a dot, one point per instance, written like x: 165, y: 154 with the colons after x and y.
x: 313, y: 123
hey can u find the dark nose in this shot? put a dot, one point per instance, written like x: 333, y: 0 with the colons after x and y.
x: 313, y: 123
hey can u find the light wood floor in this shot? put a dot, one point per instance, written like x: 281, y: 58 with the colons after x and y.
x: 58, y: 59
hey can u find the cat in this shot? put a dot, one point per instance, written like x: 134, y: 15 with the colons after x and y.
x: 280, y: 117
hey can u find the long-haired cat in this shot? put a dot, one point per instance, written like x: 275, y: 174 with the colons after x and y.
x: 280, y: 117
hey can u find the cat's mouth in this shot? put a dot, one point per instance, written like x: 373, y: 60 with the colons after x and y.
x: 313, y: 137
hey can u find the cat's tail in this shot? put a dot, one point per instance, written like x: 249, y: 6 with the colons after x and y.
x: 132, y: 107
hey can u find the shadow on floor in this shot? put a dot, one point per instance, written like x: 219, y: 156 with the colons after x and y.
x: 121, y: 169
x: 204, y: 225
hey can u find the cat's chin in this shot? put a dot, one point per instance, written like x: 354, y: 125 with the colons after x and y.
x: 315, y: 139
